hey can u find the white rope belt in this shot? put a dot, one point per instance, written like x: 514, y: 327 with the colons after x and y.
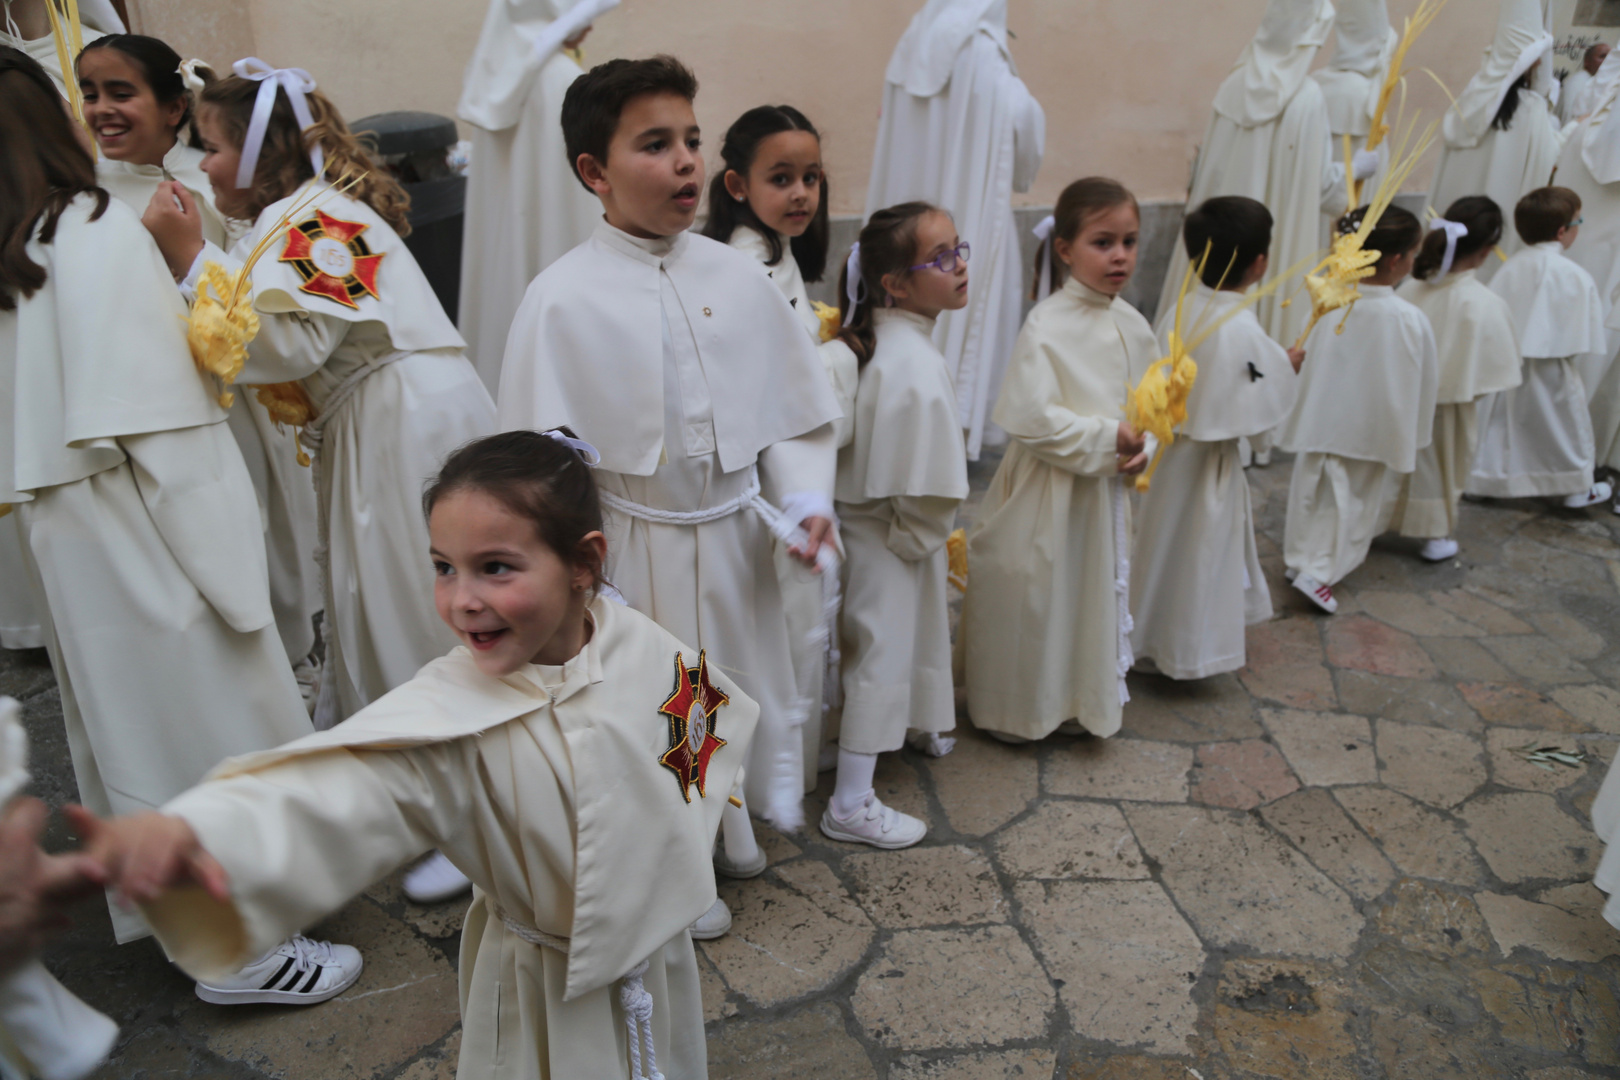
x: 633, y: 996
x: 1122, y: 589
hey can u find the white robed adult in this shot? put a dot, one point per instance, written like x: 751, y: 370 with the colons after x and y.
x: 1590, y: 167
x: 525, y: 206
x: 1269, y: 139
x: 1354, y: 78
x: 139, y: 525
x: 1574, y: 95
x: 960, y: 130
x: 1479, y: 159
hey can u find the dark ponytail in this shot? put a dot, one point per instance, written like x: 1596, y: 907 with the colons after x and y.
x: 1397, y: 232
x: 1078, y: 201
x: 737, y: 154
x: 1483, y: 219
x: 159, y: 65
x: 888, y: 246
x: 1510, y: 104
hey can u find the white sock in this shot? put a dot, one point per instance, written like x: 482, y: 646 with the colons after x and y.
x: 741, y: 847
x: 854, y: 782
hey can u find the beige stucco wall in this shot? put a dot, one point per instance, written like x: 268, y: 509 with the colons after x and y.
x: 1126, y: 84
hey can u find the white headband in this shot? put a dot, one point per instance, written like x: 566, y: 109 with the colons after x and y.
x: 852, y: 281
x: 296, y: 82
x: 1043, y: 233
x: 587, y: 453
x: 1454, y: 231
x: 188, y: 75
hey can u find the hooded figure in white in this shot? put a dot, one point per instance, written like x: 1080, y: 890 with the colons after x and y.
x: 1353, y: 80
x: 1477, y: 158
x: 97, y: 18
x: 1270, y: 140
x: 525, y: 207
x: 960, y: 130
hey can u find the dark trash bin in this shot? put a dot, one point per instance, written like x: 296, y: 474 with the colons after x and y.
x: 415, y: 148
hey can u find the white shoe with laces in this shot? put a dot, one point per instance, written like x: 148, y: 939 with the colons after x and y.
x: 299, y: 971
x: 1439, y: 549
x: 1319, y: 594
x: 434, y: 880
x: 875, y: 824
x: 712, y: 923
x: 1598, y: 492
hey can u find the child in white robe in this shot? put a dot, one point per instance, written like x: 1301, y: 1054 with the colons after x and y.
x: 686, y: 367
x: 1365, y: 408
x: 137, y: 517
x: 1536, y: 438
x: 1196, y: 580
x: 1045, y: 624
x: 137, y: 102
x: 770, y: 201
x: 1479, y: 355
x: 550, y: 755
x: 899, y: 483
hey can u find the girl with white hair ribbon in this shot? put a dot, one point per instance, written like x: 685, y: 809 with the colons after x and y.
x: 1479, y: 355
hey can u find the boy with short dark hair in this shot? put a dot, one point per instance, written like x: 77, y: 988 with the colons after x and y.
x: 691, y: 374
x: 1196, y: 581
x: 1536, y: 438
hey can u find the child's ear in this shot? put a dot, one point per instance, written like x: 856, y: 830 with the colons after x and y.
x: 736, y: 186
x: 594, y: 175
x: 1064, y: 249
x: 897, y: 285
x: 590, y: 560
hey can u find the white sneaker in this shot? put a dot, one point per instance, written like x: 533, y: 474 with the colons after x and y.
x: 712, y: 923
x: 1598, y: 492
x: 874, y: 824
x: 296, y: 972
x: 1262, y: 459
x: 1439, y: 549
x: 735, y: 870
x: 1289, y: 573
x: 434, y: 880
x: 1319, y: 594
x: 931, y: 743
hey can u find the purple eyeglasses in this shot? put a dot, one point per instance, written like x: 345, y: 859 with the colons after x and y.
x: 946, y: 262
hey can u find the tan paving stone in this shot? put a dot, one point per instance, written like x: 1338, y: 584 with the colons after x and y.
x: 1320, y: 828
x: 153, y: 1053
x: 1535, y: 658
x: 1517, y: 706
x: 1282, y: 1020
x: 1584, y: 537
x: 1569, y: 634
x: 777, y: 847
x: 1072, y: 840
x: 789, y: 938
x: 1593, y: 704
x: 926, y: 886
x: 1412, y: 1046
x: 1529, y: 561
x: 1119, y: 768
x: 1465, y: 658
x: 1130, y: 1067
x: 1416, y: 614
x: 933, y: 989
x: 1195, y: 710
x: 1478, y: 611
x: 1505, y: 589
x: 1528, y: 1018
x: 1418, y: 840
x: 1589, y: 1010
x: 1127, y: 958
x: 1512, y: 770
x: 1409, y: 700
x: 983, y: 784
x: 1241, y: 883
x: 1239, y: 775
x: 809, y: 1045
x: 715, y: 1005
x: 1560, y: 923
x: 1433, y: 765
x: 1286, y: 664
x: 1423, y: 917
x: 433, y: 920
x: 1366, y: 644
x: 989, y: 1065
x: 438, y: 1064
x: 1524, y: 836
x: 1324, y: 748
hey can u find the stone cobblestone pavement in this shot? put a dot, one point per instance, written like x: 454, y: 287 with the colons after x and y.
x: 1336, y: 863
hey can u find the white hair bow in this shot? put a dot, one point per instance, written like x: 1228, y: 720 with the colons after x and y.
x: 189, y: 77
x: 296, y: 82
x: 852, y: 281
x: 1454, y: 231
x: 587, y: 453
x: 1043, y: 233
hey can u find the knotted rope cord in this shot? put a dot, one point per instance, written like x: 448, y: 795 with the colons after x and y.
x: 1122, y: 589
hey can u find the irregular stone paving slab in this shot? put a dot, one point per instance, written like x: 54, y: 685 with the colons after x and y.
x: 405, y: 1001
x: 1531, y: 1015
x: 1368, y: 645
x: 1196, y: 710
x: 926, y: 886
x: 1240, y: 883
x: 430, y: 920
x: 1416, y: 614
x: 715, y: 1004
x: 1239, y: 775
x: 1130, y: 1067
x: 1582, y: 536
x: 1320, y: 828
x: 1433, y: 765
x: 1324, y: 748
x: 1428, y: 918
x: 790, y: 937
x: 992, y: 1065
x: 1510, y: 769
x: 777, y: 847
x: 1126, y: 958
x: 1418, y: 840
x: 931, y: 989
x: 1506, y: 589
x: 1282, y: 1020
x: 1465, y: 658
x: 1565, y: 931
x: 1517, y: 706
x: 1584, y: 1007
x: 983, y: 784
x: 1479, y: 612
x: 1524, y: 836
x: 1410, y: 1046
x: 438, y: 1064
x: 1072, y: 840
x: 1435, y: 703
x: 1285, y: 664
x: 809, y: 1045
x: 1529, y: 561
x: 1594, y: 705
x: 1119, y: 768
x: 1537, y: 659
x: 1569, y: 634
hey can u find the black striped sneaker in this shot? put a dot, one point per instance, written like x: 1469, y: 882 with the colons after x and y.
x: 296, y: 972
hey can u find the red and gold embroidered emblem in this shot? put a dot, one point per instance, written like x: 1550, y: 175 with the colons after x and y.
x: 332, y: 258
x: 691, y: 707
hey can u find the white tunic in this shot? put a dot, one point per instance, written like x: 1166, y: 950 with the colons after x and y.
x: 1354, y: 78
x: 1196, y: 580
x: 1590, y: 167
x: 959, y: 129
x: 547, y: 788
x: 395, y: 395
x: 1572, y: 97
x: 686, y: 368
x: 139, y: 523
x: 1606, y: 823
x: 525, y: 205
x: 1044, y: 621
x: 899, y: 484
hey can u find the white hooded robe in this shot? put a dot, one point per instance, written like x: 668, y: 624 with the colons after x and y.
x: 1354, y: 78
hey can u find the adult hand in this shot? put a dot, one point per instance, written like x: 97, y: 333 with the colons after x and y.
x: 175, y: 223
x: 819, y: 529
x: 34, y: 886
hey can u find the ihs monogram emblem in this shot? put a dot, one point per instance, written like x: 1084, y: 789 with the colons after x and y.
x: 691, y: 708
x: 332, y: 258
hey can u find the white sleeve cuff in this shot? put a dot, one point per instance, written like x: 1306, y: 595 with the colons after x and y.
x: 808, y: 504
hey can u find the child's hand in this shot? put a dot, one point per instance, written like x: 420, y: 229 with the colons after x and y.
x: 1131, y: 446
x: 145, y: 855
x: 1296, y: 356
x: 177, y: 229
x: 820, y: 531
